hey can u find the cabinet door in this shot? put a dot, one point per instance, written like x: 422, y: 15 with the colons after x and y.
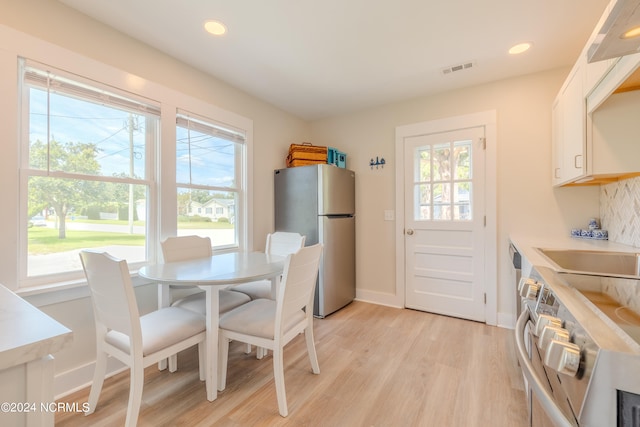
x: 573, y: 125
x: 556, y: 142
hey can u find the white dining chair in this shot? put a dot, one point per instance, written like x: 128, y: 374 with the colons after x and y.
x: 137, y: 341
x: 273, y: 324
x: 280, y: 243
x: 184, y: 248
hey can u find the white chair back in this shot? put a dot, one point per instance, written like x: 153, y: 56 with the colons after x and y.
x: 183, y: 248
x: 112, y: 294
x: 123, y: 334
x: 284, y: 243
x: 272, y: 324
x: 297, y: 288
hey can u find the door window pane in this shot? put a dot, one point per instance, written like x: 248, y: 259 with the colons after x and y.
x: 423, y: 195
x: 462, y: 160
x: 442, y: 162
x: 443, y: 181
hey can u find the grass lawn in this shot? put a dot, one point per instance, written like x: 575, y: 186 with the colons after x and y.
x: 44, y: 241
x: 183, y: 225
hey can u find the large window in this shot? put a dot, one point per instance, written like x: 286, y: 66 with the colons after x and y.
x: 87, y: 171
x: 209, y: 178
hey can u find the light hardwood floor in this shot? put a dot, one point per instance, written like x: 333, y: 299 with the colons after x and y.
x: 379, y: 366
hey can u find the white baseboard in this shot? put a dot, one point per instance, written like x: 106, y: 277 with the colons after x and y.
x: 81, y: 377
x: 380, y: 298
x: 506, y: 320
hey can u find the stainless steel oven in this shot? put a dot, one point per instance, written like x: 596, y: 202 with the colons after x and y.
x: 578, y: 344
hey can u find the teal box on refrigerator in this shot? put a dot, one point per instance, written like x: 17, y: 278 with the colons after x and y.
x: 335, y: 157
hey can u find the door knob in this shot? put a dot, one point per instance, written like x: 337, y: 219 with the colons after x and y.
x: 410, y: 232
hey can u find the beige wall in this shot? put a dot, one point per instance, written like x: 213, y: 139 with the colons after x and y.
x: 526, y: 200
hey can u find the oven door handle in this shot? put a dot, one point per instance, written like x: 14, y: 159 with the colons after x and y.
x: 537, y: 387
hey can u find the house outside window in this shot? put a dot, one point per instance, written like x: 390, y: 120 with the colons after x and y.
x: 87, y: 172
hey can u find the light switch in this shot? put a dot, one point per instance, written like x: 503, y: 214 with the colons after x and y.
x: 389, y: 215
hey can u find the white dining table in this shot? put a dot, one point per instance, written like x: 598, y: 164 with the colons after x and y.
x: 212, y: 274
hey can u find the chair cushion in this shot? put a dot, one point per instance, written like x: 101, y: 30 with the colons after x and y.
x: 197, y: 302
x: 257, y: 318
x: 255, y: 290
x: 161, y: 329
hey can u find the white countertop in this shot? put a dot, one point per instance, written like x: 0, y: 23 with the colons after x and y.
x: 526, y: 246
x: 599, y: 325
x: 27, y: 333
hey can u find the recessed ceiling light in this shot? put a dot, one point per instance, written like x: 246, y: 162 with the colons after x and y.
x: 215, y: 27
x: 634, y: 32
x: 519, y: 48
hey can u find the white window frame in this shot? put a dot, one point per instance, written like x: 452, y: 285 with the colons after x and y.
x: 210, y: 126
x: 87, y: 90
x: 163, y: 214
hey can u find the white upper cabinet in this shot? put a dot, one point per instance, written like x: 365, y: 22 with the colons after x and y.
x: 595, y: 120
x: 569, y: 128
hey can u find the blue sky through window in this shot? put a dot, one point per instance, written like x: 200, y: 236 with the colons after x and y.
x: 75, y: 120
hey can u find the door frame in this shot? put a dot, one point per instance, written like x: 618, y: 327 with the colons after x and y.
x: 486, y: 119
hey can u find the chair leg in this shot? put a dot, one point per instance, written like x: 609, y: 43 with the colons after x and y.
x: 135, y: 392
x: 247, y: 349
x: 201, y: 360
x: 260, y: 352
x: 278, y: 376
x: 311, y: 349
x: 173, y: 363
x: 98, y: 379
x: 223, y: 359
x: 164, y: 300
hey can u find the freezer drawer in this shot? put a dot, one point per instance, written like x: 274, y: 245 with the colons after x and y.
x: 337, y: 277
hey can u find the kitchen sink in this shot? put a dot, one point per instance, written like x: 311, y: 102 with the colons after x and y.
x: 602, y: 263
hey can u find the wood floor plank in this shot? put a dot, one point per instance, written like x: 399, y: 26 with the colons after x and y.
x: 379, y: 366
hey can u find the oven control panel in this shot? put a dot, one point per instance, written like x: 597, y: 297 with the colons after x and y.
x: 567, y: 353
x: 546, y: 302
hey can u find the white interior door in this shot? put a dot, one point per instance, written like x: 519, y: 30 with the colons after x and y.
x: 444, y: 222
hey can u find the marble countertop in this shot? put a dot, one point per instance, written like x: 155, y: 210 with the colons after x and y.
x: 27, y: 333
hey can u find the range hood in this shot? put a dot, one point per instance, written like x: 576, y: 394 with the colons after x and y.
x: 609, y: 41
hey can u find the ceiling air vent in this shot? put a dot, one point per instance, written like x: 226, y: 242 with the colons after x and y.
x: 458, y: 67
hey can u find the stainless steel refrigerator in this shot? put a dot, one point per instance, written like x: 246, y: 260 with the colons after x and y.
x: 318, y: 201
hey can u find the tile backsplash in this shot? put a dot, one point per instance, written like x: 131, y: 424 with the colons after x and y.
x: 620, y: 211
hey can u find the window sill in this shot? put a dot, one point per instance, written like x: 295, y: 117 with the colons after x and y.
x: 55, y: 293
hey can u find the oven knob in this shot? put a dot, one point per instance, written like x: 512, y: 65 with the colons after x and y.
x: 563, y: 357
x: 550, y: 333
x: 544, y: 320
x: 528, y: 288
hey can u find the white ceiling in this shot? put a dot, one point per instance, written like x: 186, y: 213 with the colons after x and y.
x: 318, y: 58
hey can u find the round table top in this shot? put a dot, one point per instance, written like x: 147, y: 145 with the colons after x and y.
x: 228, y: 268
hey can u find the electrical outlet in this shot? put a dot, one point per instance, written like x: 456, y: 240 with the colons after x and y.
x: 389, y: 215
